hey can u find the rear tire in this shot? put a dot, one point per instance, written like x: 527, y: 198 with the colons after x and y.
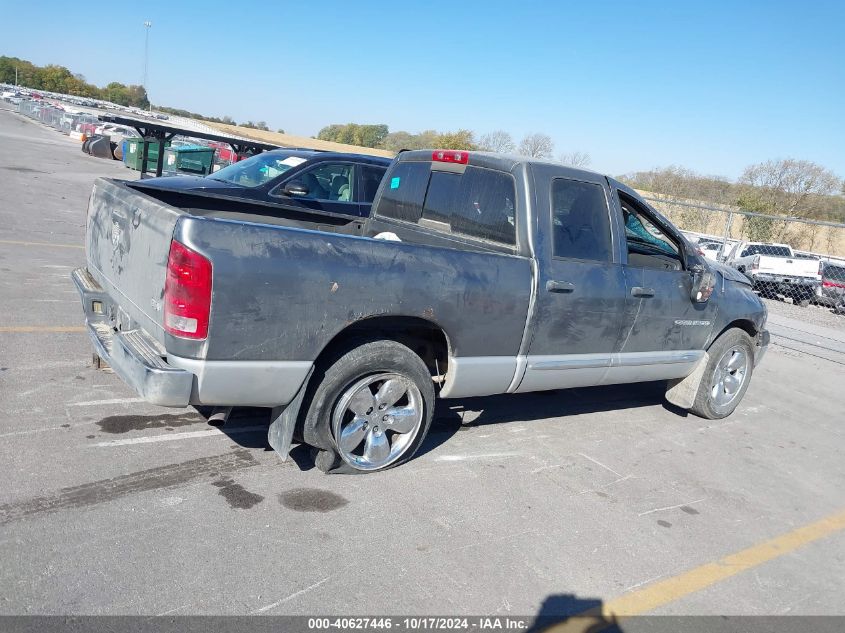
x: 372, y: 409
x: 726, y: 377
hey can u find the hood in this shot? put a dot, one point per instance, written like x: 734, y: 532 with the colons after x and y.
x: 729, y: 273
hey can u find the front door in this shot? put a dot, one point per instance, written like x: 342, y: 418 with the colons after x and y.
x: 581, y: 300
x: 670, y: 330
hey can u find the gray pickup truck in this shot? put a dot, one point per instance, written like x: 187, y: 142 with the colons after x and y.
x: 475, y: 274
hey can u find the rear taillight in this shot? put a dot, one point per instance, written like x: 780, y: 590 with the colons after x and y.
x: 832, y: 284
x: 450, y: 156
x: 187, y: 292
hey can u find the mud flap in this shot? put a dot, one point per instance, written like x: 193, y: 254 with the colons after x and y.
x: 280, y: 434
x: 682, y: 391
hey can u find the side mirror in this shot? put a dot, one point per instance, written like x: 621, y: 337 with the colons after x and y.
x: 703, y: 283
x: 295, y: 188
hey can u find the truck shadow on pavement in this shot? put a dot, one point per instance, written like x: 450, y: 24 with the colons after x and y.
x: 453, y: 416
x: 247, y: 429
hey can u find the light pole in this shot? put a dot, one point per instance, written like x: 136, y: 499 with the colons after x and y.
x: 147, y: 26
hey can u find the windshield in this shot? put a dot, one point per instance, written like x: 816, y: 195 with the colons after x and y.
x: 257, y: 170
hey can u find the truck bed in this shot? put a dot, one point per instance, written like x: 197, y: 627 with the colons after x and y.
x: 268, y: 270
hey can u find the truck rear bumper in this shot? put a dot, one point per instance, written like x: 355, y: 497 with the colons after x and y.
x: 786, y: 280
x: 173, y: 381
x: 132, y: 354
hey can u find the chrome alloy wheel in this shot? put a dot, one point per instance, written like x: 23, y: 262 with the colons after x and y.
x: 376, y: 420
x: 729, y: 375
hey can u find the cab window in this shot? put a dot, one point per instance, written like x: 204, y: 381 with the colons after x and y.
x: 648, y: 246
x: 329, y: 181
x: 580, y: 222
x: 371, y: 176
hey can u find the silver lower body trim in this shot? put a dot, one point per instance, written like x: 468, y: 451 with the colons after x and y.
x: 470, y: 376
x: 487, y: 375
x: 246, y: 383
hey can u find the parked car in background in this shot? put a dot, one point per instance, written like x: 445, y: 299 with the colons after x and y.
x: 774, y: 269
x: 475, y: 274
x: 710, y: 249
x: 831, y: 292
x: 309, y: 180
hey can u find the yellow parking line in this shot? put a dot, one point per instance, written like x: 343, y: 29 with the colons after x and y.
x: 22, y: 329
x: 661, y: 593
x: 19, y: 243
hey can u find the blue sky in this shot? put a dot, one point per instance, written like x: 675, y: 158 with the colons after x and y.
x: 713, y: 86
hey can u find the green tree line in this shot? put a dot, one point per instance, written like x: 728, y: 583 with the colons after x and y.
x: 787, y: 187
x: 54, y: 78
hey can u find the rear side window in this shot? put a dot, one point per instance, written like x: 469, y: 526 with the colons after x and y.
x: 834, y: 273
x: 580, y: 221
x: 478, y: 203
x: 404, y: 191
x: 370, y: 178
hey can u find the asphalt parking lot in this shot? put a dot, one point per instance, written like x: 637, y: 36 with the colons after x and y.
x: 560, y: 501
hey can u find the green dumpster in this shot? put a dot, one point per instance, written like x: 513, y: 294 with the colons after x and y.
x: 134, y: 148
x: 188, y: 159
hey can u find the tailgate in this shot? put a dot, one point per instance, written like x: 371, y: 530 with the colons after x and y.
x: 127, y: 244
x: 789, y: 267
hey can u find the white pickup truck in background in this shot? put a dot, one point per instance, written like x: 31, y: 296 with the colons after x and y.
x: 775, y: 269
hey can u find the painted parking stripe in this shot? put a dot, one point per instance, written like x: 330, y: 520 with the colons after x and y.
x: 93, y: 403
x: 172, y: 437
x: 23, y: 329
x: 20, y: 243
x: 672, y: 589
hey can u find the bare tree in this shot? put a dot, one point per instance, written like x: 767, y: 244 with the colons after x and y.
x: 498, y: 141
x: 537, y: 145
x: 575, y: 159
x: 788, y: 187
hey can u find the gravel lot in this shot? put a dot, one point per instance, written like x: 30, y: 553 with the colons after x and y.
x: 812, y: 314
x: 552, y: 502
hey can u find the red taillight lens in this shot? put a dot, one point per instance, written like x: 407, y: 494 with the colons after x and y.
x: 187, y: 292
x: 450, y: 156
x: 832, y: 284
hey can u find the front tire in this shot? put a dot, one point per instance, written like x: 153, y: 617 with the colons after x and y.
x: 726, y: 377
x: 372, y: 408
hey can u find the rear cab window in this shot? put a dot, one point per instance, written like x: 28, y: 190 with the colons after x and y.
x: 766, y: 249
x: 475, y: 202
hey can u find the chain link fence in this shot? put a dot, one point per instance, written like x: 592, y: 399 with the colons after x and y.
x: 790, y: 259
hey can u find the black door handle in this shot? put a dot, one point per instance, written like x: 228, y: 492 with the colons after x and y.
x: 637, y: 291
x: 559, y: 286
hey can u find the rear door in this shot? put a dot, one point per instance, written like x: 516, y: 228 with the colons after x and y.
x: 581, y: 304
x: 670, y: 329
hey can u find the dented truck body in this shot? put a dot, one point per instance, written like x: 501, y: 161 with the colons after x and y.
x: 502, y: 274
